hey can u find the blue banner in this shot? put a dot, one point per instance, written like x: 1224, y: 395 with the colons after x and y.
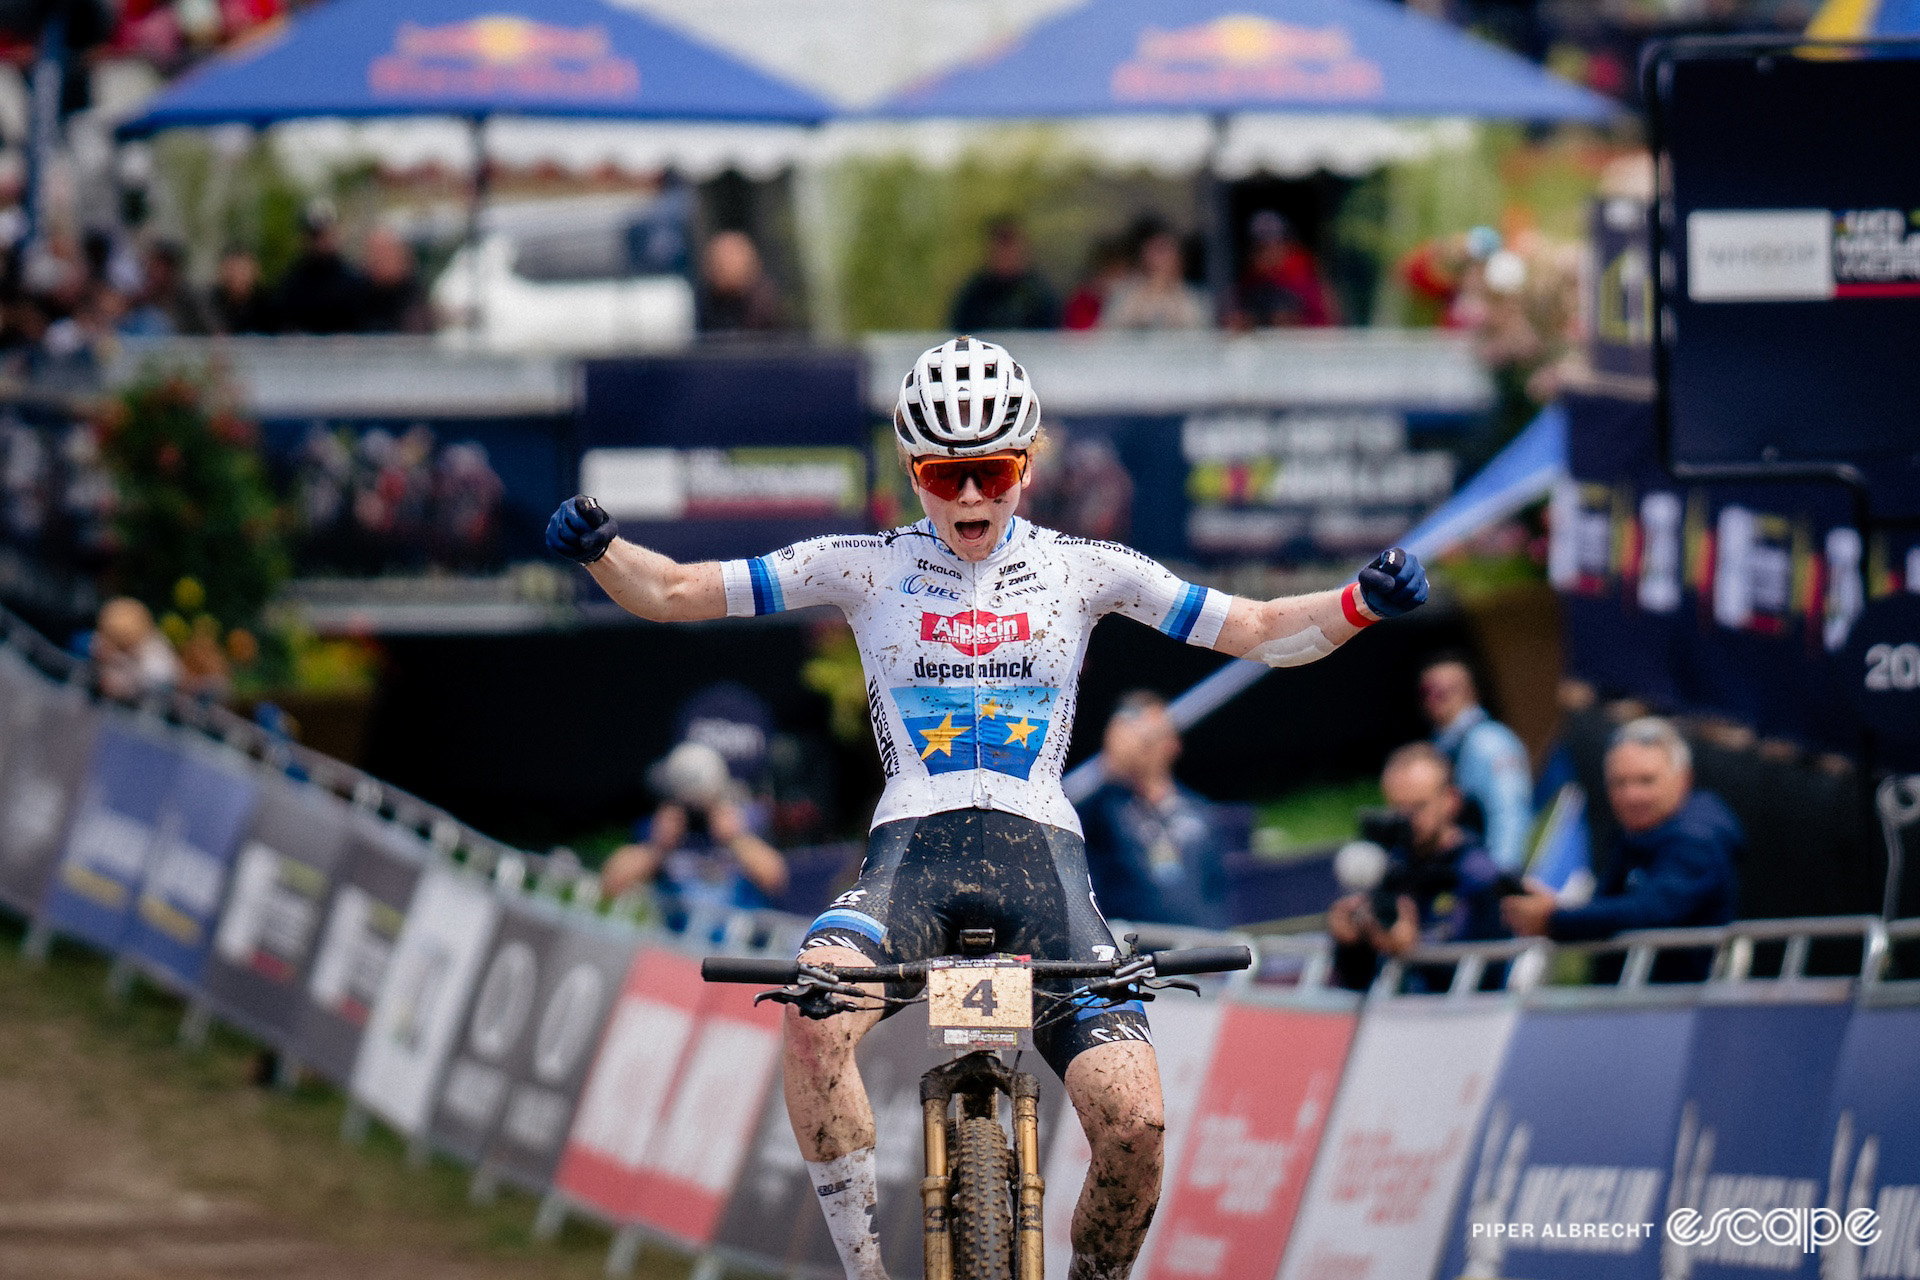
x: 201, y: 824
x: 113, y: 835
x: 1753, y: 1133
x: 1875, y: 1165
x: 1572, y: 1164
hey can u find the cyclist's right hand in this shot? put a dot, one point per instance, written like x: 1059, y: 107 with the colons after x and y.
x: 581, y: 530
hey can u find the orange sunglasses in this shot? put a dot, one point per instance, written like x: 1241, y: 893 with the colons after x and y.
x: 995, y: 473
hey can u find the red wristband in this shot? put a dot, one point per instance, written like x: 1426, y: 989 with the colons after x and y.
x: 1355, y: 607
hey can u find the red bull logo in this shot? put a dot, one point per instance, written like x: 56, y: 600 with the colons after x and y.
x: 1245, y: 56
x: 504, y: 55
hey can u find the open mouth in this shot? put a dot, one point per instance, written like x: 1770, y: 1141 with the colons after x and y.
x: 971, y: 530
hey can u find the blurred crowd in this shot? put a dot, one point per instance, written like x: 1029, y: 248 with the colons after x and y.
x: 1144, y: 280
x: 63, y: 297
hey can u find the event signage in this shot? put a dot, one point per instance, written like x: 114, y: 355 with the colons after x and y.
x: 376, y: 882
x: 672, y: 1099
x: 1569, y: 1175
x: 1185, y: 1031
x: 113, y: 834
x: 1230, y: 1198
x: 547, y: 1069
x: 435, y: 964
x: 270, y: 926
x: 1752, y: 1135
x: 40, y: 785
x: 774, y: 1213
x: 212, y: 799
x: 1397, y: 1145
x: 1874, y: 1163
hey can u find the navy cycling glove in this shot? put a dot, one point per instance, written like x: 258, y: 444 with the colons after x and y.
x: 581, y: 530
x: 1394, y: 584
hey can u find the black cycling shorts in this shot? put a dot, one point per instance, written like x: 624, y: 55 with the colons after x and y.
x: 926, y: 879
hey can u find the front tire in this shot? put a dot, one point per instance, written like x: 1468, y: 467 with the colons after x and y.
x: 980, y: 1209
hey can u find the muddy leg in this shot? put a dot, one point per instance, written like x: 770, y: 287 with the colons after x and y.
x: 1116, y: 1090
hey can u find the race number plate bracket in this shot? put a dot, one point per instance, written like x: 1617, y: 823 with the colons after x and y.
x: 980, y: 1004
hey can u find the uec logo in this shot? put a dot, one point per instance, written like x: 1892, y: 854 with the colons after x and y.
x: 1805, y: 1229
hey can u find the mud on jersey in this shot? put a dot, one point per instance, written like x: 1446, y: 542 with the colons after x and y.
x: 973, y: 668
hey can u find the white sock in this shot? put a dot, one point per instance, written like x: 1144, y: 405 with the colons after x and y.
x: 848, y: 1191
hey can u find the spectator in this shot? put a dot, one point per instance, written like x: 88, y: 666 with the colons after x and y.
x: 1153, y: 847
x: 238, y: 303
x: 699, y: 849
x: 1282, y: 286
x: 1439, y: 883
x: 1107, y: 267
x: 735, y: 294
x: 1673, y: 867
x: 166, y: 306
x: 395, y: 300
x: 1488, y: 760
x: 131, y: 659
x: 1006, y: 293
x: 322, y: 292
x: 1156, y: 295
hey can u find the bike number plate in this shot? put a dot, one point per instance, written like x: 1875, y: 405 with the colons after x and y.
x: 979, y: 1004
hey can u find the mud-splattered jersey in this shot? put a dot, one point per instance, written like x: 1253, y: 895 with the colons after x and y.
x: 972, y: 668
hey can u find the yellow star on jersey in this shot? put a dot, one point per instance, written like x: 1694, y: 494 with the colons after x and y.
x: 940, y: 737
x: 990, y: 708
x: 1020, y: 732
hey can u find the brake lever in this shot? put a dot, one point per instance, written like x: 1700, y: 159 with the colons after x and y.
x: 1172, y: 984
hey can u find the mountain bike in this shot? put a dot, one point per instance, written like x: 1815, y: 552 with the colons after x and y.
x: 981, y: 1196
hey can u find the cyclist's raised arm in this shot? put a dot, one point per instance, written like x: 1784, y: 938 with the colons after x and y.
x: 1294, y: 630
x: 642, y: 582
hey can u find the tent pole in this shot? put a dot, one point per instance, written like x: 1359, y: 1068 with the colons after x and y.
x: 1219, y: 225
x: 476, y: 206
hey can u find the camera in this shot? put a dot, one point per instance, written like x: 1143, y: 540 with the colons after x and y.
x: 1388, y: 828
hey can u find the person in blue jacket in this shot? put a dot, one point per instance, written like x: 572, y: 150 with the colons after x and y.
x: 1675, y: 866
x: 1489, y: 761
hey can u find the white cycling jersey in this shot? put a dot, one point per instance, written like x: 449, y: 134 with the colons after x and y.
x: 973, y: 668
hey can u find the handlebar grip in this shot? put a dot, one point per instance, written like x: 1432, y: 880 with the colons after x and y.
x: 766, y: 973
x: 1170, y: 964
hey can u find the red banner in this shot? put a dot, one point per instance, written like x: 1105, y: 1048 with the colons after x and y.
x: 1231, y: 1197
x: 671, y: 1101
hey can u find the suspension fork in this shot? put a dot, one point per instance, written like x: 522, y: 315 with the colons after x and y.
x: 1029, y: 1250
x: 979, y: 1078
x: 933, y: 1187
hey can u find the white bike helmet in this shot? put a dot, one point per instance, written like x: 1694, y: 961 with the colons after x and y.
x: 964, y: 398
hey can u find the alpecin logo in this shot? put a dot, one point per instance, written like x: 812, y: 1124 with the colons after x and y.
x: 974, y: 632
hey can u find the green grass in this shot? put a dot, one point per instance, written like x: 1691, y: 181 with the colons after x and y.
x: 117, y: 1069
x: 1312, y: 818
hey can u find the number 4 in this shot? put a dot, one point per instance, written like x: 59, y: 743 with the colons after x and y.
x: 981, y: 998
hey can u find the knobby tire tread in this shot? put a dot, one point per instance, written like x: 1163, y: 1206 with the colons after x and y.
x: 980, y: 1216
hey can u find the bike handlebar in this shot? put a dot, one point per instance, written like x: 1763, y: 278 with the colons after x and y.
x: 1166, y: 964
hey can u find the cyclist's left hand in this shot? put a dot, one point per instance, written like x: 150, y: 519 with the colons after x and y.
x: 1394, y: 585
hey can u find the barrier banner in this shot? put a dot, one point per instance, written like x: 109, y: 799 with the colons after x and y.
x: 213, y: 798
x: 113, y: 834
x: 671, y: 1100
x: 271, y: 922
x: 40, y: 787
x: 378, y: 875
x: 547, y: 1070
x: 1229, y: 1202
x: 1569, y: 1174
x: 1185, y: 1031
x: 1875, y: 1161
x: 1752, y: 1133
x: 1383, y: 1185
x: 435, y: 964
x: 774, y: 1213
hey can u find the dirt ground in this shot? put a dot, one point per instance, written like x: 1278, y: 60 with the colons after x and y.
x: 125, y: 1157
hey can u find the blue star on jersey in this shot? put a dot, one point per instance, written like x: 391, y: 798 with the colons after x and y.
x: 961, y: 727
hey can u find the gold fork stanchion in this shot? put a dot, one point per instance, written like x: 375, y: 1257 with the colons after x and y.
x: 1029, y: 1250
x: 933, y: 1191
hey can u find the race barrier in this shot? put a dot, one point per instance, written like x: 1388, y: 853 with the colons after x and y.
x: 1496, y: 1118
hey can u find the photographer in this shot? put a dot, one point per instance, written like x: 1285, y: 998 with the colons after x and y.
x: 1437, y: 885
x: 699, y: 849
